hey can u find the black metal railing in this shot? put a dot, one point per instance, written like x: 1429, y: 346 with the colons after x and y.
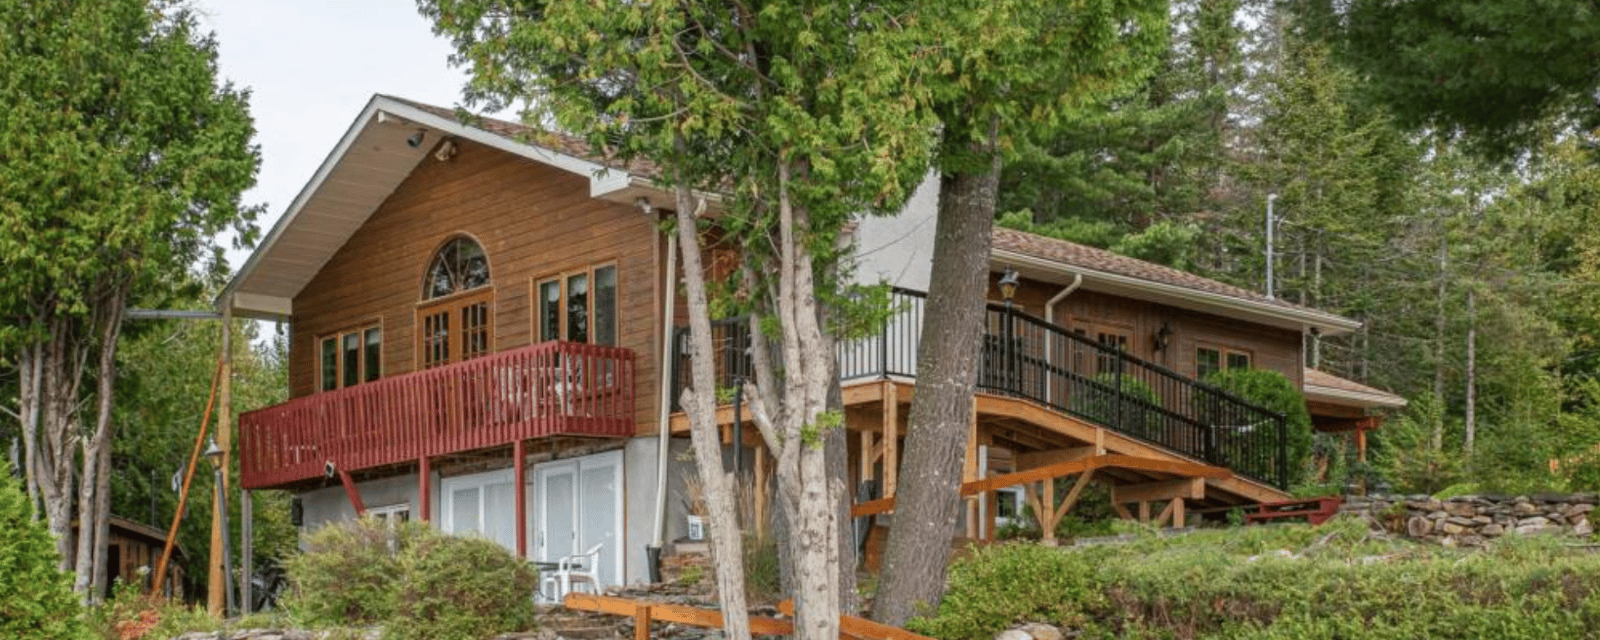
x: 1027, y: 357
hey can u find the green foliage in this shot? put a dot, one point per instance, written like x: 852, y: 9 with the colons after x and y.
x: 132, y: 612
x: 1283, y: 581
x: 763, y: 581
x: 1404, y: 455
x: 36, y: 599
x: 413, y: 580
x: 1134, y: 411
x: 348, y: 572
x: 1271, y: 390
x: 1003, y: 584
x: 455, y: 588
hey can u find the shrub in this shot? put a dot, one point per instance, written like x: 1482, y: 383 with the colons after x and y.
x: 131, y: 614
x: 1097, y: 401
x: 36, y: 599
x: 415, y: 581
x: 456, y: 588
x: 1274, y: 392
x: 1000, y: 585
x: 347, y: 572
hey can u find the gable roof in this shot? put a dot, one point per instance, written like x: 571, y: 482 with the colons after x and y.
x: 364, y: 168
x: 1050, y: 259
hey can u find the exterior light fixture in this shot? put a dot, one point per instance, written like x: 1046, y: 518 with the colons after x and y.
x: 213, y: 453
x: 1008, y: 285
x: 416, y: 139
x: 1163, y: 336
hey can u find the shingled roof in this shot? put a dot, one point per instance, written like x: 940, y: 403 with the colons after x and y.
x: 1077, y: 255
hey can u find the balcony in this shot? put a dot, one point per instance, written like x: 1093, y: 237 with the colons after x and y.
x: 548, y: 389
x: 1026, y: 357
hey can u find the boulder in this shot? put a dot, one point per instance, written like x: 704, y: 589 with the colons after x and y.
x: 1492, y: 530
x: 1583, y: 528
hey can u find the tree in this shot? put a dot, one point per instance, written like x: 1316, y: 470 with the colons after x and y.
x: 123, y: 158
x: 802, y: 115
x: 1497, y: 69
x: 1005, y: 71
x: 35, y: 594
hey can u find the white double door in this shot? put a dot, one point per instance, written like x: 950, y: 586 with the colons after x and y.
x: 579, y: 505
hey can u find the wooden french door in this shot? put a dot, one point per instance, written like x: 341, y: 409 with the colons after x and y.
x: 454, y: 330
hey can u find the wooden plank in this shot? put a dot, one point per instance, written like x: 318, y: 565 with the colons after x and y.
x: 1166, y: 512
x: 891, y: 438
x: 1071, y: 499
x: 641, y: 622
x: 861, y: 627
x: 707, y: 618
x: 1191, y: 488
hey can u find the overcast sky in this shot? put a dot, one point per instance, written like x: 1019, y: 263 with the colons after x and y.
x: 311, y: 65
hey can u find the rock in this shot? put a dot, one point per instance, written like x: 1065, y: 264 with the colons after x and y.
x: 1460, y: 509
x: 1536, y: 521
x: 1438, y: 515
x: 1462, y: 522
x: 1451, y: 528
x: 1482, y: 520
x: 1471, y: 540
x: 1523, y: 509
x: 1492, y: 530
x: 1579, y: 509
x: 1526, y: 529
x: 1013, y: 634
x: 1041, y: 631
x: 1418, y: 527
x: 1585, y: 498
x: 1583, y: 528
x: 1449, y: 541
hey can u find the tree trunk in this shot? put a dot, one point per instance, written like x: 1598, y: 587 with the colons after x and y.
x: 1471, y: 422
x: 94, y: 501
x: 700, y: 405
x: 1437, y: 441
x: 927, y: 498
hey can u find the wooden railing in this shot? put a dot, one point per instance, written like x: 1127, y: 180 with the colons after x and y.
x: 553, y: 388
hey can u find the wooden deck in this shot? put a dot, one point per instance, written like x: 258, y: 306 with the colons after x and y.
x: 1140, y: 473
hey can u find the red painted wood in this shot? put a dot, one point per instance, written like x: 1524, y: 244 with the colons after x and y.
x: 547, y: 389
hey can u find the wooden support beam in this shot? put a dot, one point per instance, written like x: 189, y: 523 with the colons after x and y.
x: 519, y: 465
x: 1144, y: 513
x: 1046, y: 513
x: 1192, y: 488
x: 350, y: 491
x: 424, y: 489
x: 1036, y: 459
x: 1179, y: 518
x: 708, y: 618
x: 1057, y: 513
x: 1122, y: 512
x: 1166, y: 512
x: 891, y: 438
x: 641, y: 622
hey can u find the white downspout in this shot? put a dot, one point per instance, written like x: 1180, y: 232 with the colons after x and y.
x: 1050, y: 318
x: 665, y: 423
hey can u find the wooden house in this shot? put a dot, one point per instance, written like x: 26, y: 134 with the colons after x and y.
x: 481, y: 337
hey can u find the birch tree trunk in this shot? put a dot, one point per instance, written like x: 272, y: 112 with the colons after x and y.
x: 927, y: 499
x: 94, y: 500
x: 1471, y: 420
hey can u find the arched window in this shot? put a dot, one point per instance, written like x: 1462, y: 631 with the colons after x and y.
x: 460, y: 265
x: 457, y: 327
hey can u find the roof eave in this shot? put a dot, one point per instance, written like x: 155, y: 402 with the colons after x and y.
x: 1349, y: 396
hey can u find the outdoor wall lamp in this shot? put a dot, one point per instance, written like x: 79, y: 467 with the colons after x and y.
x: 213, y: 454
x: 1008, y: 285
x: 1163, y: 336
x: 416, y: 139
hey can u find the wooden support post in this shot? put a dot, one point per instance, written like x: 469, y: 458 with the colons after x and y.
x: 641, y: 622
x: 217, y: 583
x: 1047, y: 524
x: 520, y: 464
x: 1054, y: 514
x: 424, y: 489
x: 1361, y: 445
x: 1144, y: 512
x: 864, y: 472
x: 1179, y: 518
x: 891, y: 438
x: 1100, y: 441
x: 1122, y: 512
x: 969, y: 471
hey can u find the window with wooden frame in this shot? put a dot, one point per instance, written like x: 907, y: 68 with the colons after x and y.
x: 578, y: 306
x: 1209, y: 360
x: 350, y: 358
x: 453, y: 321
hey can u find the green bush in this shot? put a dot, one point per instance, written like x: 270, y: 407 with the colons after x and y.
x: 1138, y: 415
x: 132, y: 613
x: 411, y: 579
x: 455, y: 588
x: 1281, y: 581
x: 36, y: 599
x: 1000, y: 585
x: 1274, y: 392
x: 347, y: 572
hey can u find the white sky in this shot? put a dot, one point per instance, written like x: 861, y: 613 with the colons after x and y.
x: 311, y: 65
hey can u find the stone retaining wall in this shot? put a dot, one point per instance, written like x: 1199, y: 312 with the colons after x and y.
x: 1473, y: 520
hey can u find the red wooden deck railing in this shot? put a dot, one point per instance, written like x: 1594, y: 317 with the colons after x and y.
x: 553, y: 388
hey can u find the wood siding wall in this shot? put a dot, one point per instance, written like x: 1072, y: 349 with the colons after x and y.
x: 1269, y: 347
x: 533, y: 222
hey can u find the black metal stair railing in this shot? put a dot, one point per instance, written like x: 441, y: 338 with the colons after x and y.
x: 1027, y: 357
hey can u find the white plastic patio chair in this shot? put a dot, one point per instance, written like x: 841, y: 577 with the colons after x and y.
x: 571, y: 572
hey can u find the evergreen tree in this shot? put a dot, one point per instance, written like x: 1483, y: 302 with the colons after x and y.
x: 36, y: 601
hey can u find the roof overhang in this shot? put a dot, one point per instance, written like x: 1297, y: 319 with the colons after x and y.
x: 1299, y: 319
x: 363, y: 169
x: 1350, y: 397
